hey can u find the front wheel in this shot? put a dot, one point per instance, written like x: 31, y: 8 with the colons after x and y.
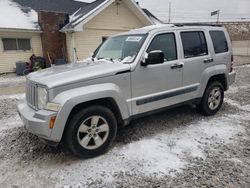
x: 212, y: 99
x: 91, y: 131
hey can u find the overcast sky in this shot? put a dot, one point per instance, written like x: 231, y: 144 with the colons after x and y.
x: 198, y: 10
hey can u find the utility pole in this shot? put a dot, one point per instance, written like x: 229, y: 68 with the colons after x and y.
x: 169, y: 12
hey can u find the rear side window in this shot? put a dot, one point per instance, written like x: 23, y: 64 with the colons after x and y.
x: 194, y: 44
x: 166, y: 43
x: 219, y: 41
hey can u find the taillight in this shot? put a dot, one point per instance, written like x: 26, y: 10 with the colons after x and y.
x: 232, y: 63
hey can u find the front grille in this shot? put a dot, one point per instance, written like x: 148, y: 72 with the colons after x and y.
x: 31, y: 94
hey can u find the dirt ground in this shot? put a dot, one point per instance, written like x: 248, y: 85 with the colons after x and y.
x: 176, y: 148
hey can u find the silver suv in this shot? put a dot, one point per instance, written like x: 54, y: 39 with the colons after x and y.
x: 131, y: 74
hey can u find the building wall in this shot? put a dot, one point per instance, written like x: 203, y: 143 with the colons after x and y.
x: 241, y: 48
x: 114, y: 19
x: 9, y: 58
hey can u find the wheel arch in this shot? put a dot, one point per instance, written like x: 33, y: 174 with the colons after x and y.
x: 107, y: 95
x: 219, y: 78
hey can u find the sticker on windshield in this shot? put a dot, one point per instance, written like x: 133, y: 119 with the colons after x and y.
x: 134, y: 39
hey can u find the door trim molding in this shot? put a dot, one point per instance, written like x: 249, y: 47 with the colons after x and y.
x: 166, y: 95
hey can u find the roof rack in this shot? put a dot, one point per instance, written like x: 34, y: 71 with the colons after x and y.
x: 197, y: 24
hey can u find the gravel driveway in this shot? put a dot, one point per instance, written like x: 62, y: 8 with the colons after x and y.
x: 176, y: 148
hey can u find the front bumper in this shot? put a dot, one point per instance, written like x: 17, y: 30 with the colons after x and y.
x: 231, y: 78
x: 36, y: 122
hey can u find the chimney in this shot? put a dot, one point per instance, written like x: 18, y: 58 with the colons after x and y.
x: 53, y: 41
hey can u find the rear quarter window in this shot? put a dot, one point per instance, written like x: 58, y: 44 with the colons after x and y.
x: 219, y: 41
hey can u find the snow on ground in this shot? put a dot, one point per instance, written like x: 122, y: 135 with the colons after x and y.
x: 11, y: 79
x: 17, y: 18
x: 16, y: 96
x: 10, y: 123
x: 238, y: 105
x: 163, y: 154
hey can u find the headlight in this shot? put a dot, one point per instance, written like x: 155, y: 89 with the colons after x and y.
x: 42, y: 97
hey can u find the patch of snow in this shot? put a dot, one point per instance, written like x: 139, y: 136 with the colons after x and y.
x: 238, y: 105
x: 245, y: 66
x: 16, y: 96
x: 162, y: 154
x: 235, y: 89
x: 12, y: 16
x: 10, y: 123
x: 4, y: 80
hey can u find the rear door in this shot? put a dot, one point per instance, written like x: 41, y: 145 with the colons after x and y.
x: 196, y: 57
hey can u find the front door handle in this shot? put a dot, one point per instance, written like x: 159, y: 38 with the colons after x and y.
x: 177, y: 66
x: 208, y: 60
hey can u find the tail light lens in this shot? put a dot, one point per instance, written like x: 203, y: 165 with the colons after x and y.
x: 232, y: 63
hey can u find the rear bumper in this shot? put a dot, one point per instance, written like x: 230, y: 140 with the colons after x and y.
x: 231, y: 78
x: 36, y: 122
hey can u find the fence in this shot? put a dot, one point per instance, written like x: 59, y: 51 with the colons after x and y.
x: 241, y: 48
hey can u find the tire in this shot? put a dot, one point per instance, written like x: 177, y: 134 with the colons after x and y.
x: 90, y: 132
x: 212, y: 99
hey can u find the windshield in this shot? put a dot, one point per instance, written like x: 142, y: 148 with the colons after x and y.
x: 120, y: 48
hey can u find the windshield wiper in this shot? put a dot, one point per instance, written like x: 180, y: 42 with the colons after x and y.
x: 105, y: 58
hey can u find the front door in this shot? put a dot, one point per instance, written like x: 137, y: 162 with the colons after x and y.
x: 157, y: 86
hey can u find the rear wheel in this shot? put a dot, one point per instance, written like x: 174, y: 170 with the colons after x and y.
x: 212, y: 99
x: 91, y: 131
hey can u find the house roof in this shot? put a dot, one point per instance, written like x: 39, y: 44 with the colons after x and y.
x: 85, y: 12
x: 82, y: 13
x: 64, y: 6
x: 152, y: 17
x: 22, y: 14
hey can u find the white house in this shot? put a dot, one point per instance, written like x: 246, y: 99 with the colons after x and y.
x: 87, y: 26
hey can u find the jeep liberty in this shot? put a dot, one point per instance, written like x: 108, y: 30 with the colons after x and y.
x: 130, y: 75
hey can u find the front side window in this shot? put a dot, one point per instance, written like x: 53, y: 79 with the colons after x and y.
x: 194, y: 44
x: 122, y: 48
x: 165, y: 43
x: 219, y: 41
x: 16, y: 44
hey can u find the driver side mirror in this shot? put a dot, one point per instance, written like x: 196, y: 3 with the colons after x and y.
x: 154, y: 57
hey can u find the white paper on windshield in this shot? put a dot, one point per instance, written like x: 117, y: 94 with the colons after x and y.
x: 133, y: 39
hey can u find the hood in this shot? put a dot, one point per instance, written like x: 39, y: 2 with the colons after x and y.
x: 71, y: 73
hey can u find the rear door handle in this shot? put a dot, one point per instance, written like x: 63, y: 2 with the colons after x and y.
x: 208, y: 60
x: 177, y: 66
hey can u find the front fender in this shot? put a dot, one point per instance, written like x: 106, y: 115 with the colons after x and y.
x: 70, y: 98
x: 208, y: 73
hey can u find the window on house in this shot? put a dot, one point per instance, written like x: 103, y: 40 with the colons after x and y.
x: 166, y: 43
x: 219, y: 41
x: 194, y: 44
x: 16, y: 44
